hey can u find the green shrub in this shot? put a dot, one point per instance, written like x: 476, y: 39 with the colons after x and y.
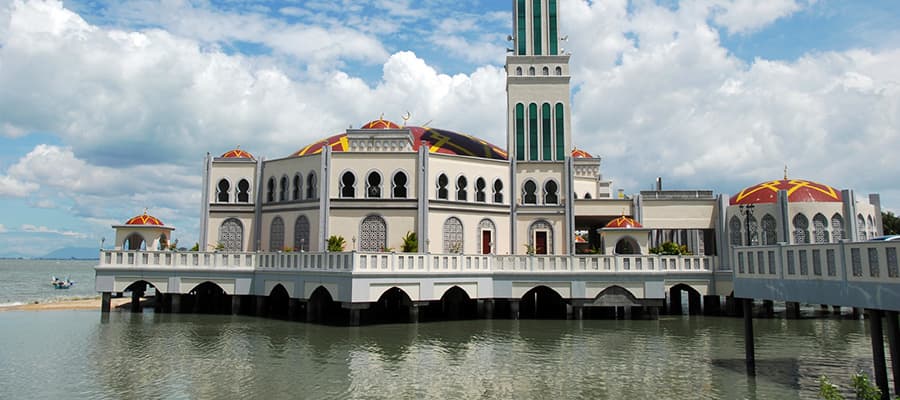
x: 336, y: 243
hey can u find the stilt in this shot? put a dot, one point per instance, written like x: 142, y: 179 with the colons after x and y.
x: 105, y: 300
x: 260, y: 306
x: 712, y: 305
x: 514, y: 309
x: 836, y: 310
x: 732, y: 307
x: 626, y: 312
x: 489, y: 309
x: 675, y: 302
x: 792, y: 310
x: 876, y: 334
x: 136, y: 301
x: 413, y: 313
x: 355, y: 311
x: 653, y: 312
x: 354, y: 317
x: 749, y: 352
x: 235, y: 304
x: 856, y: 313
x: 479, y: 308
x: 768, y: 308
x: 694, y: 307
x: 577, y: 312
x: 293, y: 308
x: 175, y: 303
x: 893, y: 331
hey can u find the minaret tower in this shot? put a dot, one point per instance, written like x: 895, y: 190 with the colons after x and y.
x: 538, y: 129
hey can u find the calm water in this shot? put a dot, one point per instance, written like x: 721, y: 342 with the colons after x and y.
x: 27, y: 281
x: 79, y: 354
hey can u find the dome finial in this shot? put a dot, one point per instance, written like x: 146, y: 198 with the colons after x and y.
x: 146, y: 210
x: 406, y: 117
x: 785, y: 171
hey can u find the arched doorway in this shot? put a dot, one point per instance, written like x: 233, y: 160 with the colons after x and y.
x: 677, y: 300
x: 542, y: 302
x: 627, y: 245
x: 540, y: 237
x: 486, y: 233
x: 279, y: 303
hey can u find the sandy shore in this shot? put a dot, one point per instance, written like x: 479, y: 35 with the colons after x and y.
x: 79, y: 304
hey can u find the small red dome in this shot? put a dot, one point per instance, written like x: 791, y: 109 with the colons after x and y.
x: 380, y: 124
x: 624, y: 222
x: 578, y: 153
x: 237, y: 153
x: 144, y: 219
x: 798, y: 191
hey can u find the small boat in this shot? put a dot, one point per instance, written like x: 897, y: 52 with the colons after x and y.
x: 61, y: 283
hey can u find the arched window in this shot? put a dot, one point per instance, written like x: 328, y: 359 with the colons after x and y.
x: 560, y: 132
x: 540, y: 237
x: 519, y: 71
x: 587, y: 196
x: 546, y: 143
x: 536, y: 25
x: 479, y: 190
x: 520, y: 131
x: 311, y: 186
x: 276, y: 235
x: 820, y: 229
x: 162, y: 243
x: 399, y: 185
x: 373, y: 234
x: 134, y: 241
x: 298, y: 187
x: 453, y: 235
x: 373, y: 185
x: 531, y: 71
x: 770, y: 236
x: 533, y: 132
x: 243, y: 191
x: 861, y: 227
x: 546, y: 71
x: 270, y: 190
x: 284, y: 188
x: 871, y: 226
x: 558, y: 71
x: 442, y: 182
x: 754, y: 231
x: 498, y: 191
x: 231, y: 234
x: 801, y: 229
x: 627, y: 245
x: 837, y: 227
x: 529, y: 190
x: 462, y: 193
x: 222, y: 195
x: 348, y: 185
x: 734, y: 231
x: 550, y: 190
x: 301, y: 234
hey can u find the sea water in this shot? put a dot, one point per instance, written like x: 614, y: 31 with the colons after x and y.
x: 28, y: 281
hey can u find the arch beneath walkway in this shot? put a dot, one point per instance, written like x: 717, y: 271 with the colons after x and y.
x: 457, y: 304
x: 542, y: 302
x: 392, y: 306
x: 279, y: 302
x: 615, y: 296
x: 676, y: 299
x: 207, y: 298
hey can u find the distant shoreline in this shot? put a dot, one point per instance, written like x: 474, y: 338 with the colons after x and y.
x: 50, y: 259
x: 74, y: 304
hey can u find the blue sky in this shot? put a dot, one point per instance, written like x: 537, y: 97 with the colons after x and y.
x: 109, y: 107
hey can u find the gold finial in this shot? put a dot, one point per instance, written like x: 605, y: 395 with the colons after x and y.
x: 381, y: 117
x: 146, y: 210
x: 238, y: 147
x: 406, y: 117
x: 785, y: 171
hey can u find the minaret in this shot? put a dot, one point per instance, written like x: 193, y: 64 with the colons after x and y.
x: 537, y: 85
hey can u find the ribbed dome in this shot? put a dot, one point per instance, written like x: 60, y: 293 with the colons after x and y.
x: 578, y: 153
x: 436, y: 140
x: 380, y: 124
x: 624, y: 222
x: 144, y: 219
x: 798, y: 190
x: 238, y: 153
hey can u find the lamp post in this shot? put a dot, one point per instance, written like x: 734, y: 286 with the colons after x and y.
x: 747, y: 212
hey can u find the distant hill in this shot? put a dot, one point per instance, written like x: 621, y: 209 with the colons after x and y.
x: 67, y: 253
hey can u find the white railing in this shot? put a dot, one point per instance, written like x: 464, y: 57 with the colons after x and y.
x: 411, y: 263
x: 845, y: 261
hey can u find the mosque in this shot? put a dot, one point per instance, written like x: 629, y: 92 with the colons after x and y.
x: 430, y: 212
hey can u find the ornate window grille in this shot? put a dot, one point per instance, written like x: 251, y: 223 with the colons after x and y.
x: 301, y: 234
x: 453, y: 235
x: 231, y: 234
x: 801, y: 229
x: 276, y: 234
x: 373, y: 234
x: 820, y: 229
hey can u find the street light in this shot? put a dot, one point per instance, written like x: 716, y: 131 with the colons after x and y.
x: 747, y: 212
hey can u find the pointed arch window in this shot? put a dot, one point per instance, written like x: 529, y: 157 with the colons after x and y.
x: 480, y: 185
x: 243, y: 191
x: 301, y: 234
x: 861, y: 227
x: 554, y: 38
x: 373, y: 185
x: 536, y: 27
x: 837, y: 227
x: 820, y: 229
x: 399, y: 185
x: 587, y: 196
x: 222, y: 195
x: 529, y: 192
x: 518, y: 71
x: 545, y: 71
x: 462, y: 184
x: 754, y: 231
x: 520, y: 132
x: 498, y: 191
x: 284, y: 189
x: 442, y: 182
x: 520, y: 27
x: 550, y: 193
x: 311, y: 186
x: 348, y: 185
x: 453, y: 235
x: 298, y: 187
x: 801, y: 229
x: 560, y: 132
x: 734, y: 231
x: 547, y: 148
x: 276, y: 235
x: 530, y: 71
x: 270, y: 190
x: 770, y: 235
x: 871, y: 226
x: 533, y: 132
x: 558, y: 71
x: 231, y: 234
x: 373, y: 234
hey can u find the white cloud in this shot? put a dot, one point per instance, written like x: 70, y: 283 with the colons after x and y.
x: 12, y: 187
x: 3, y: 229
x: 743, y: 16
x: 43, y: 229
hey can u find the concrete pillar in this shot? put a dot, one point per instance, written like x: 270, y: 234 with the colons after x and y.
x: 836, y: 310
x: 488, y: 309
x: 893, y: 332
x: 136, y: 301
x: 354, y: 317
x: 749, y: 351
x: 694, y: 306
x: 626, y: 312
x: 514, y: 309
x: 856, y: 313
x: 712, y: 305
x: 235, y: 304
x: 260, y: 306
x: 105, y: 300
x: 293, y: 309
x: 732, y: 306
x: 413, y: 313
x: 675, y: 302
x: 792, y: 310
x: 577, y: 312
x: 653, y: 313
x: 354, y: 311
x: 175, y: 302
x: 876, y: 335
x: 768, y: 308
x: 159, y: 302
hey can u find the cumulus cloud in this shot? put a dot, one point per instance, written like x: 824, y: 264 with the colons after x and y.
x: 12, y: 187
x: 43, y: 229
x: 743, y: 16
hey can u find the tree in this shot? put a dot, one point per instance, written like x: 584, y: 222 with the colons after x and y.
x: 890, y: 223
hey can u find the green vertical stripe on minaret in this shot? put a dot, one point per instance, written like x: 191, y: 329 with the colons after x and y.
x: 560, y: 133
x: 536, y: 31
x: 547, y: 153
x: 553, y: 40
x: 520, y: 132
x: 520, y: 28
x: 532, y: 132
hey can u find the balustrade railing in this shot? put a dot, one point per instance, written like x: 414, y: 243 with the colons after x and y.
x: 845, y: 261
x: 411, y: 263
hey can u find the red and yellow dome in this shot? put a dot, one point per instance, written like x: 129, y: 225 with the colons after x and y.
x: 578, y: 153
x: 624, y: 222
x: 436, y: 140
x: 144, y: 219
x: 237, y: 153
x: 798, y: 191
x: 380, y: 124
